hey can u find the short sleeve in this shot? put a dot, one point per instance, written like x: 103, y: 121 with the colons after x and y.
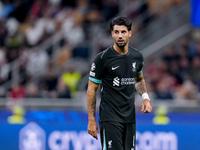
x: 96, y: 69
x: 140, y: 64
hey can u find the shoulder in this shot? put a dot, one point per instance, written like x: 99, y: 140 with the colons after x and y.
x: 136, y: 52
x: 103, y: 54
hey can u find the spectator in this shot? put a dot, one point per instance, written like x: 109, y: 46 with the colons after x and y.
x: 32, y: 91
x: 154, y: 71
x: 48, y: 23
x: 188, y: 90
x: 195, y: 69
x: 50, y: 80
x: 76, y: 35
x: 3, y: 33
x: 170, y: 55
x: 37, y: 62
x: 163, y: 91
x: 2, y: 56
x: 71, y: 79
x: 34, y: 33
x: 2, y: 92
x: 66, y: 19
x: 4, y: 66
x: 38, y: 7
x: 55, y: 2
x: 63, y: 90
x: 13, y: 40
x: 184, y: 68
x: 17, y: 92
x: 173, y: 70
x: 62, y: 56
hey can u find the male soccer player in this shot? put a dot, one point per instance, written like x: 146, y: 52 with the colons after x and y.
x: 119, y: 70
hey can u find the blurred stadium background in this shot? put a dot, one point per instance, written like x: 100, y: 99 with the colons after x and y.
x: 46, y: 48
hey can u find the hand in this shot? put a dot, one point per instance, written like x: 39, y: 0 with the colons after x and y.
x: 146, y: 106
x: 93, y: 129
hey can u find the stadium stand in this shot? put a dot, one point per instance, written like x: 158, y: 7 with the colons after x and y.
x: 43, y: 40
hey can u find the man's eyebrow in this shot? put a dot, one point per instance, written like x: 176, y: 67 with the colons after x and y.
x: 119, y: 30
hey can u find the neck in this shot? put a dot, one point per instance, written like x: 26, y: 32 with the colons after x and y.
x: 121, y: 50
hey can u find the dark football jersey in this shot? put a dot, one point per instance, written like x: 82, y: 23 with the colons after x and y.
x: 116, y: 73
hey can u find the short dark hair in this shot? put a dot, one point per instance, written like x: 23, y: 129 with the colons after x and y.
x: 121, y: 21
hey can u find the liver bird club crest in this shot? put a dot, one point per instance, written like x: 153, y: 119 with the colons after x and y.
x: 134, y: 66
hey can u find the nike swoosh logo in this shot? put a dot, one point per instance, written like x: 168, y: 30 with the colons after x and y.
x: 113, y: 68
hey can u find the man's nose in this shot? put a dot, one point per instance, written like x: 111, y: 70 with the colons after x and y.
x: 120, y: 35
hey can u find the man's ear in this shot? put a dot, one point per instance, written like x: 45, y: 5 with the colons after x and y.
x: 112, y: 33
x: 130, y: 33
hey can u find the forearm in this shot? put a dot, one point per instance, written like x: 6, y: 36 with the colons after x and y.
x: 140, y: 86
x: 91, y: 100
x: 91, y: 103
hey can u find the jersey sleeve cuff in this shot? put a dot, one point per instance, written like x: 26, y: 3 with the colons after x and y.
x: 140, y: 71
x: 94, y: 80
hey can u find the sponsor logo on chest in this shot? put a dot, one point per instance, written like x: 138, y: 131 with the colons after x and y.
x: 123, y: 81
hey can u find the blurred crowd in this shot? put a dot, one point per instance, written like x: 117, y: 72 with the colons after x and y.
x: 142, y: 13
x: 176, y: 75
x: 25, y: 24
x: 43, y: 73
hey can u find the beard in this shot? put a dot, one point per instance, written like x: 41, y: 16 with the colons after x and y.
x: 121, y: 44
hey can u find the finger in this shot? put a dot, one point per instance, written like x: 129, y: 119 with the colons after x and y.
x: 98, y: 131
x: 147, y: 110
x: 91, y: 132
x: 142, y: 108
x: 95, y: 135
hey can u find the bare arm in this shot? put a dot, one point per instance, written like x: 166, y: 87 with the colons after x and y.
x: 140, y: 86
x: 91, y: 99
x: 91, y: 103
